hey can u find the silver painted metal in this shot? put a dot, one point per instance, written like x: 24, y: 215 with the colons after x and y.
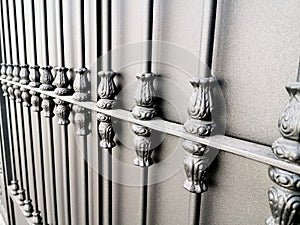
x: 200, y: 121
x: 14, y: 181
x: 24, y: 80
x: 106, y: 94
x: 145, y: 110
x: 284, y: 197
x: 242, y: 148
x: 80, y: 86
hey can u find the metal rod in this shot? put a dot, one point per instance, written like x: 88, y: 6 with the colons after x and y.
x: 106, y: 35
x: 194, y: 209
x: 65, y: 150
x: 24, y: 31
x: 16, y: 32
x: 53, y: 166
x: 34, y: 45
x: 33, y: 166
x: 40, y: 161
x: 61, y: 33
x: 45, y: 31
x: 106, y: 14
x: 82, y: 33
x: 144, y: 195
x: 11, y: 141
x: 5, y: 165
x: 19, y: 111
x: 148, y: 36
x: 3, y: 34
x: 209, y: 10
x: 25, y: 80
x: 8, y: 32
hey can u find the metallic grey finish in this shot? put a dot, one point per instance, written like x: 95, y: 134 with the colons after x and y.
x: 200, y: 123
x: 144, y: 97
x: 284, y: 198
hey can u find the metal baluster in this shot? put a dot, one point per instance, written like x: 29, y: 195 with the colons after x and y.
x: 145, y: 110
x: 62, y: 111
x: 6, y: 69
x: 106, y: 93
x: 4, y: 134
x: 35, y: 116
x: 80, y: 86
x: 48, y: 108
x: 24, y: 80
x: 19, y: 111
x: 284, y: 197
x: 200, y: 121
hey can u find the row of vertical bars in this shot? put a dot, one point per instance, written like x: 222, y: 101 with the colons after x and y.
x: 40, y: 133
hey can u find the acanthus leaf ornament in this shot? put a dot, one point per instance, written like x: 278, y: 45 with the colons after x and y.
x: 34, y: 78
x: 62, y: 111
x: 9, y: 77
x: 142, y: 142
x: 80, y: 86
x: 106, y: 89
x: 144, y: 110
x: 3, y: 76
x: 46, y: 85
x: 199, y: 107
x: 106, y: 131
x: 17, y: 91
x: 62, y: 83
x: 46, y: 79
x: 24, y: 75
x: 9, y: 72
x: 199, y: 123
x: 144, y: 97
x: 284, y: 197
x: 3, y: 70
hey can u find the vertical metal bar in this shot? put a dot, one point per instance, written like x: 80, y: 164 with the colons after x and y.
x: 148, y: 33
x: 106, y: 34
x: 48, y: 145
x: 62, y: 112
x: 6, y: 73
x: 18, y: 111
x: 5, y: 164
x: 144, y: 110
x: 209, y: 10
x: 37, y: 153
x: 24, y: 79
x: 106, y: 93
x: 200, y: 123
x: 81, y: 94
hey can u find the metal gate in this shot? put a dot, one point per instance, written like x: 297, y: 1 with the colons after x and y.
x: 61, y: 108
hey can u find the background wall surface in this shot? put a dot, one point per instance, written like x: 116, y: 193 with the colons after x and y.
x: 256, y: 54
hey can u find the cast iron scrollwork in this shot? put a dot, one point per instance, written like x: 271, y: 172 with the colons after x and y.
x: 199, y: 123
x: 62, y: 83
x: 34, y: 77
x: 144, y: 97
x: 144, y: 110
x: 284, y: 197
x: 46, y: 85
x: 80, y: 86
x: 106, y: 93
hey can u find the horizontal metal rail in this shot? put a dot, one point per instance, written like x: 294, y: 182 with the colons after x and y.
x: 246, y: 149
